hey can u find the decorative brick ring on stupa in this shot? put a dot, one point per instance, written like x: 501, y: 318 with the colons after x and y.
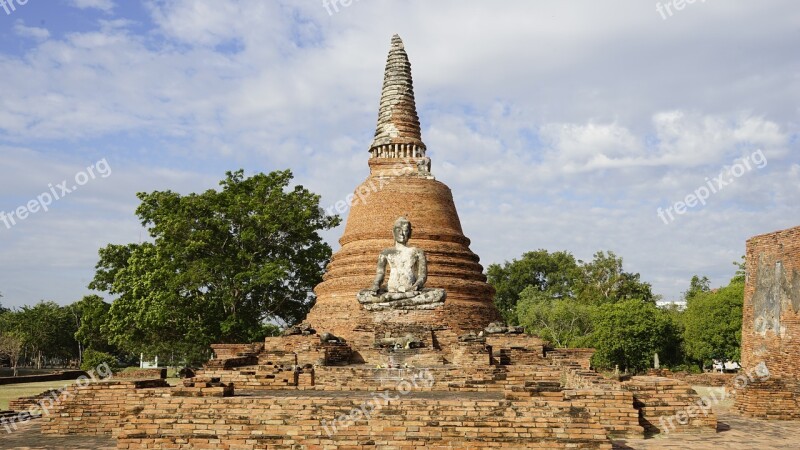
x: 408, y: 271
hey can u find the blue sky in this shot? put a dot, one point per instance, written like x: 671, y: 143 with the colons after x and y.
x: 558, y: 125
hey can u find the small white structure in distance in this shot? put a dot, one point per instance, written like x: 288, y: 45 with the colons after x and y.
x: 147, y: 364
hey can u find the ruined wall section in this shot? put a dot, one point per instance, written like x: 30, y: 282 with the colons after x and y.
x: 771, y: 312
x: 771, y: 326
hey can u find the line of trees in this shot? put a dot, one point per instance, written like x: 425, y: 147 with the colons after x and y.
x: 231, y: 265
x: 49, y: 335
x: 574, y: 303
x: 227, y: 265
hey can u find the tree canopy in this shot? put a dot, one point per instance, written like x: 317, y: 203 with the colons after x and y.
x: 628, y: 333
x: 91, y: 314
x: 551, y: 273
x: 572, y: 303
x: 713, y: 324
x: 221, y: 265
x: 559, y: 275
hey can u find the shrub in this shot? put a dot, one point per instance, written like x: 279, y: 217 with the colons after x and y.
x: 92, y: 359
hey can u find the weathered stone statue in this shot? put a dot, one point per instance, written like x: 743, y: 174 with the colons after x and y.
x: 404, y: 342
x: 408, y: 271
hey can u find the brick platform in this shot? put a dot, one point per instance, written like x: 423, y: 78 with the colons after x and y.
x: 99, y: 408
x: 670, y: 406
x: 412, y: 421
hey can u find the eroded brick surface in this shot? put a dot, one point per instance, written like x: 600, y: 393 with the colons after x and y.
x: 771, y: 327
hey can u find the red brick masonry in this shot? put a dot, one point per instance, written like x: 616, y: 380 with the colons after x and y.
x: 771, y: 325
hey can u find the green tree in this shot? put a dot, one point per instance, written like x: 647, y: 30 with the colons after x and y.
x: 697, y: 286
x: 673, y: 352
x: 222, y: 264
x: 604, y: 280
x: 713, y: 324
x: 93, y: 360
x: 48, y: 329
x: 90, y: 314
x: 741, y: 270
x: 561, y: 321
x: 11, y: 344
x: 629, y: 332
x: 559, y: 276
x: 554, y: 273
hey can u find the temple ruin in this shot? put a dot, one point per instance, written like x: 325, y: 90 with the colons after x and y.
x: 428, y: 367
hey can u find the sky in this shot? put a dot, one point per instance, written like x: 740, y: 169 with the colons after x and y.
x: 666, y: 137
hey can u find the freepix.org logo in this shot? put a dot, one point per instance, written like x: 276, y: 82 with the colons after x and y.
x: 55, y: 192
x: 712, y: 186
x: 9, y: 6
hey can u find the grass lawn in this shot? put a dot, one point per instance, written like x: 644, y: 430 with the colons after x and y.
x: 12, y: 391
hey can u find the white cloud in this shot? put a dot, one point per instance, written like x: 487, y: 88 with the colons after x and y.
x: 40, y: 34
x: 557, y: 125
x: 103, y: 5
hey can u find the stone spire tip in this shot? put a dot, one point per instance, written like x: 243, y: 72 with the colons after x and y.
x: 397, y: 42
x: 398, y: 132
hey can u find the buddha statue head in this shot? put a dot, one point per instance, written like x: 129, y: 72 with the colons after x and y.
x: 401, y: 230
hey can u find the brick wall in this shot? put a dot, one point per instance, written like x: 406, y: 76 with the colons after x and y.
x: 614, y: 409
x: 224, y: 351
x: 697, y: 379
x: 581, y: 356
x: 142, y: 374
x: 99, y: 408
x: 32, y: 401
x: 252, y: 422
x: 774, y: 398
x: 258, y: 378
x: 664, y: 405
x: 771, y: 321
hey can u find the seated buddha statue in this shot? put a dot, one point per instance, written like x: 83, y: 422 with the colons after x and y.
x: 408, y: 272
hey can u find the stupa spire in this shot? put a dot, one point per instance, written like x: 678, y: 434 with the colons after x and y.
x: 398, y: 133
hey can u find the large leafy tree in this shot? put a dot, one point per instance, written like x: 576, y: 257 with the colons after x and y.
x: 570, y: 303
x: 561, y: 321
x: 90, y: 314
x: 559, y: 275
x: 221, y: 265
x: 713, y: 323
x: 629, y: 332
x: 48, y: 331
x: 603, y: 280
x: 552, y: 273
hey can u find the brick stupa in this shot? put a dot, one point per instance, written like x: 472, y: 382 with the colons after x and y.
x: 400, y: 183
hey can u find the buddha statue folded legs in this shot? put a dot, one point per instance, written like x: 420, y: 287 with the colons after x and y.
x: 408, y: 271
